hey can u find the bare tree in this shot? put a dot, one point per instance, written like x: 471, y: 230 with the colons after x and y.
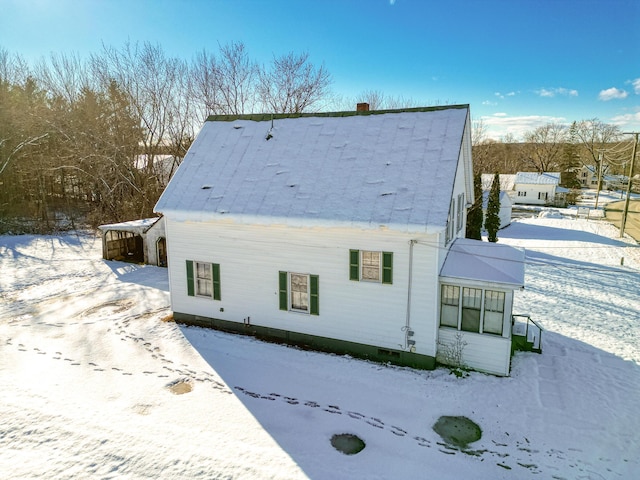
x: 226, y: 85
x: 63, y: 76
x: 545, y: 147
x: 293, y: 84
x: 593, y: 136
x: 375, y: 98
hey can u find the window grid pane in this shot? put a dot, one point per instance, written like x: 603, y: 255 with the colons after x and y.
x: 204, y: 283
x: 299, y: 292
x: 449, y: 309
x: 493, y: 312
x: 471, y: 305
x: 371, y: 266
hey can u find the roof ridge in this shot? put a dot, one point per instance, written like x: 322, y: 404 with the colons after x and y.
x: 260, y: 117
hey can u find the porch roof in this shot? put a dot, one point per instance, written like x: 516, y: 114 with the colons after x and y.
x: 484, y: 262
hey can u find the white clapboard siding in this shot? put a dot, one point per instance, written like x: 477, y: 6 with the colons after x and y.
x: 482, y: 352
x: 250, y: 257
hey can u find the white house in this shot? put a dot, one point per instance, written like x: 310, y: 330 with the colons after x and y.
x: 534, y: 188
x: 330, y: 230
x: 139, y: 241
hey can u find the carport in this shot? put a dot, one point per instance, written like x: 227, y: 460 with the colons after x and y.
x: 137, y: 241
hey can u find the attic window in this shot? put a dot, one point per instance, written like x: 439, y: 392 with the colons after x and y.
x: 206, y: 187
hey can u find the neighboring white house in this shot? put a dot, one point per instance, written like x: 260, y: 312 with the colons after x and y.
x: 330, y: 230
x: 532, y: 188
x: 139, y: 241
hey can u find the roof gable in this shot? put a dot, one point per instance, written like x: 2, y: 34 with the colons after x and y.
x: 393, y: 168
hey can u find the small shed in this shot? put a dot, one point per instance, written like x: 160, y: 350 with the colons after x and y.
x: 137, y: 241
x: 506, y: 206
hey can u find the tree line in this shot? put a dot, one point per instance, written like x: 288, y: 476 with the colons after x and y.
x: 554, y: 147
x: 94, y: 140
x: 88, y: 141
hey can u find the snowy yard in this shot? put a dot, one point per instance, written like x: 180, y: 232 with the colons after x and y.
x: 87, y: 359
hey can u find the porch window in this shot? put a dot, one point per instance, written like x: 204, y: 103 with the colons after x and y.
x: 493, y: 312
x: 299, y: 292
x: 471, y: 308
x: 450, y: 304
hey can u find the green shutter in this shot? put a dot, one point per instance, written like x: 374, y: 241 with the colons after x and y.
x: 282, y: 282
x: 354, y: 265
x: 314, y: 300
x: 190, y: 282
x: 387, y: 267
x: 216, y: 281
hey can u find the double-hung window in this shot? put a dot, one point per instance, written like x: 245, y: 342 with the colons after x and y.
x: 203, y: 279
x: 472, y: 309
x: 450, y: 305
x: 371, y: 266
x: 493, y: 312
x: 460, y: 212
x: 299, y: 292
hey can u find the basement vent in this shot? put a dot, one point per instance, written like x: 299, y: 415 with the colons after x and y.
x: 388, y: 353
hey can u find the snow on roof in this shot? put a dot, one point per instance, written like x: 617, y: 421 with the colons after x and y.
x: 535, y: 178
x: 138, y: 226
x: 394, y: 168
x: 484, y: 261
x: 505, y: 199
x: 507, y: 181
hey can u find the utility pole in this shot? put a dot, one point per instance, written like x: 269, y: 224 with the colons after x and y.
x: 600, y: 161
x: 629, y: 181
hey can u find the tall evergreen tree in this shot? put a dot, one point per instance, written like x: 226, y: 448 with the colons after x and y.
x: 492, y: 221
x: 474, y: 216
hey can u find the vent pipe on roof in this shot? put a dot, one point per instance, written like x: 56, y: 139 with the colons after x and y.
x: 362, y: 107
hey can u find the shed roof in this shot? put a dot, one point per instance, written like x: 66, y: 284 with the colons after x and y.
x: 394, y: 168
x: 485, y: 262
x: 137, y: 226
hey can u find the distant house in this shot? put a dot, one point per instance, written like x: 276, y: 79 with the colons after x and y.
x: 588, y: 177
x: 341, y: 232
x: 532, y: 188
x: 137, y: 241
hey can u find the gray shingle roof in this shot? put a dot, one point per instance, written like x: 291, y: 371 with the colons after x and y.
x: 393, y: 168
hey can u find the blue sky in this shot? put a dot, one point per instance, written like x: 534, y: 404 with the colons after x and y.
x: 518, y: 63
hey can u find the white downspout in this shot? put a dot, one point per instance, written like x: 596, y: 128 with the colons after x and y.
x: 409, y: 343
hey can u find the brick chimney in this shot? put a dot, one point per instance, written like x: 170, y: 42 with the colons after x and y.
x: 362, y: 107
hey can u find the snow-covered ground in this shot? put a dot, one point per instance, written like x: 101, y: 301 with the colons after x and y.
x: 87, y: 361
